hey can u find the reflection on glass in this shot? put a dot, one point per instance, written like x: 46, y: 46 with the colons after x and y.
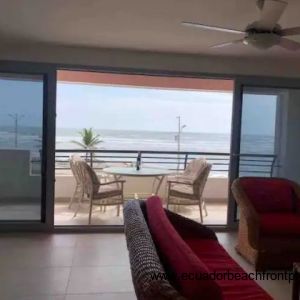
x: 21, y: 130
x: 257, y: 147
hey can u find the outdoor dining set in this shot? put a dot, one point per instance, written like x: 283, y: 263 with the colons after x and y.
x: 107, y: 189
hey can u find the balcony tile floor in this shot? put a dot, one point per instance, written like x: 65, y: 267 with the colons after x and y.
x: 82, y: 267
x: 217, y: 214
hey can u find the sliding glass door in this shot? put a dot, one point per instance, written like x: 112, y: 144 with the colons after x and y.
x: 24, y: 155
x: 270, y: 126
x: 266, y: 142
x: 21, y: 146
x: 259, y: 134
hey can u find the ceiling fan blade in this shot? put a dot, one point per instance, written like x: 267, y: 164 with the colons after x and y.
x: 203, y: 26
x: 227, y: 44
x: 290, y: 31
x: 289, y: 44
x: 270, y: 14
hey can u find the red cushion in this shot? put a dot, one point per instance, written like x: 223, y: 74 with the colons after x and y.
x: 287, y: 224
x: 269, y: 194
x: 216, y: 259
x: 177, y: 256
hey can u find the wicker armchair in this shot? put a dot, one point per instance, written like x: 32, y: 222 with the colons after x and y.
x: 269, y: 226
x: 187, y: 188
x: 101, y: 193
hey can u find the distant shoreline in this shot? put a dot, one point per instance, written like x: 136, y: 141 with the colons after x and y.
x: 30, y: 138
x: 98, y: 130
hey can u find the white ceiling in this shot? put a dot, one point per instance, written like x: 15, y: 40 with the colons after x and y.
x: 152, y: 25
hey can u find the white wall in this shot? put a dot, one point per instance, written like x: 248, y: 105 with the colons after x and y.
x: 151, y: 61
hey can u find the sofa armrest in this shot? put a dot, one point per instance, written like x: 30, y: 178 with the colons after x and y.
x: 248, y: 212
x: 189, y: 228
x: 184, y: 226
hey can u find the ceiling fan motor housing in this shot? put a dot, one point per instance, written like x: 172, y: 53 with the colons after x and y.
x: 262, y: 40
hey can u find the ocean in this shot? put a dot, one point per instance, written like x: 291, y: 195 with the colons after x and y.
x: 30, y: 138
x: 165, y: 141
x: 148, y: 140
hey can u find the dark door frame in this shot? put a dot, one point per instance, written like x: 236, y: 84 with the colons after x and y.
x: 49, y: 72
x: 240, y: 83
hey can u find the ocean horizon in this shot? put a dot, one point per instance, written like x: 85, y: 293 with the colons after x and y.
x: 147, y: 140
x: 30, y: 138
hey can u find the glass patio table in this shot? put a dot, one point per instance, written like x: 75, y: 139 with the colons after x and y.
x: 157, y: 173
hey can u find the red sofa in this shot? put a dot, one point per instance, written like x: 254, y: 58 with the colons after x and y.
x: 269, y: 227
x: 160, y: 241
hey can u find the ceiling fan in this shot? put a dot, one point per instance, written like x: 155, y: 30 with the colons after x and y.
x: 262, y: 34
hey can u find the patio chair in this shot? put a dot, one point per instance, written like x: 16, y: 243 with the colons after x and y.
x: 187, y: 188
x: 78, y: 192
x: 101, y: 193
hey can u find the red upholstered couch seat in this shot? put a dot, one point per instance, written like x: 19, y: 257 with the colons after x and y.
x: 182, y: 252
x: 178, y: 256
x: 216, y: 259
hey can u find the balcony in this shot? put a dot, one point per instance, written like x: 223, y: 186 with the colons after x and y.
x: 215, y: 192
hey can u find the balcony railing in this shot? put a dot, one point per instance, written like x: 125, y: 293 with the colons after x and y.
x: 250, y: 164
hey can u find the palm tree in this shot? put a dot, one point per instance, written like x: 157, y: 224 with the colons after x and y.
x: 89, y: 139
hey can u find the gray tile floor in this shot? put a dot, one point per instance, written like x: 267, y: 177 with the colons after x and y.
x: 64, y: 266
x: 80, y: 267
x: 217, y: 214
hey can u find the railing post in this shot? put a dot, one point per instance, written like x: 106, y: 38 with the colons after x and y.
x: 91, y: 159
x: 185, y: 160
x: 138, y: 157
x: 272, y: 165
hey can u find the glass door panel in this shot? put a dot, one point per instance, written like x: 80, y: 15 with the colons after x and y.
x: 269, y: 139
x: 21, y: 145
x: 258, y: 132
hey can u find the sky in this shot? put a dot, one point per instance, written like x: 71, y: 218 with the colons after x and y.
x: 128, y: 108
x: 22, y: 97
